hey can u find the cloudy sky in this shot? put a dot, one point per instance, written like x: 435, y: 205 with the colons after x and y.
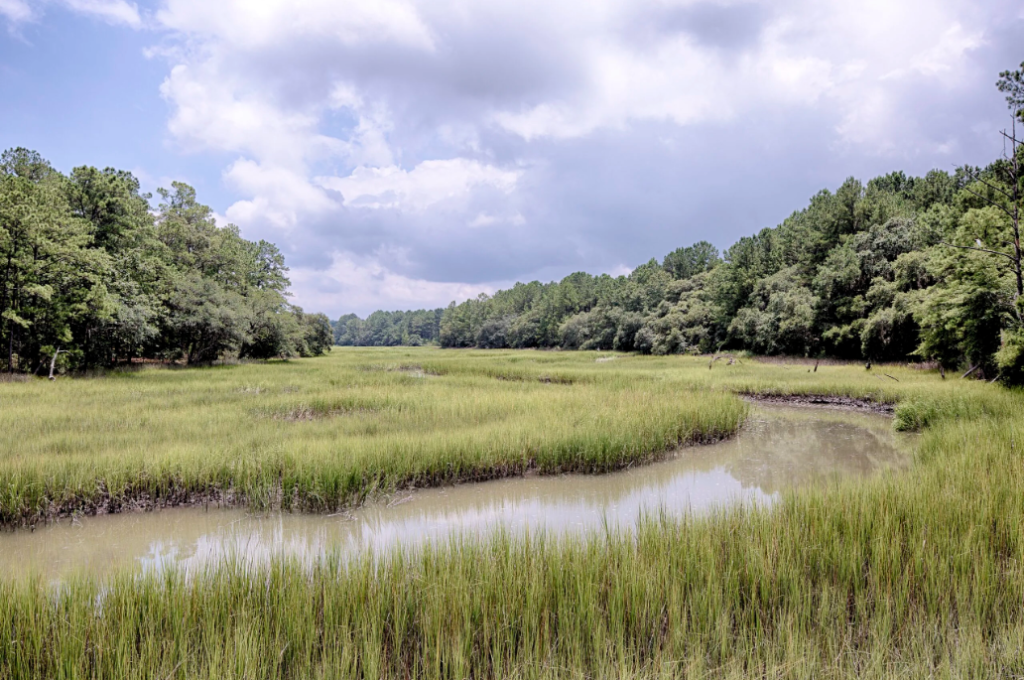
x: 405, y: 153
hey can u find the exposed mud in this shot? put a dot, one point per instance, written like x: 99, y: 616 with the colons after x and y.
x: 128, y: 501
x: 829, y: 401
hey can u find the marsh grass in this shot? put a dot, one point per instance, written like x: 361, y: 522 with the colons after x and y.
x: 916, y: 573
x: 323, y: 434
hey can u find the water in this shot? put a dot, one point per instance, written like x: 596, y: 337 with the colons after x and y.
x: 778, y: 448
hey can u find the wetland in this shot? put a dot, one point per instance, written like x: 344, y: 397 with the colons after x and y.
x: 451, y: 514
x: 778, y: 448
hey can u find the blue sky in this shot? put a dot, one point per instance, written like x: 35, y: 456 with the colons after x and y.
x: 405, y: 153
x: 79, y: 90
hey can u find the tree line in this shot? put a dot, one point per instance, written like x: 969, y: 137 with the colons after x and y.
x: 389, y: 329
x: 900, y: 268
x: 91, y: 274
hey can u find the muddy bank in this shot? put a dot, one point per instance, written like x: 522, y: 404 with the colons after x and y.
x: 822, y: 400
x: 128, y: 501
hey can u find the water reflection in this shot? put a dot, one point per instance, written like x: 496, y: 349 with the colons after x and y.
x: 778, y: 448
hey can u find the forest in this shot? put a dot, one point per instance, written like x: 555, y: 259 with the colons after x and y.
x: 91, y: 276
x: 900, y: 268
x: 389, y: 329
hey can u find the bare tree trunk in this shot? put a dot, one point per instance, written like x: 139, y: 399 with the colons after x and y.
x: 53, y: 363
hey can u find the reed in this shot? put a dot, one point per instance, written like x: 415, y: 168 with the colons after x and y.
x: 914, y: 573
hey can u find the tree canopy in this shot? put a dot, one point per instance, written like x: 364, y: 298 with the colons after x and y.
x: 89, y: 268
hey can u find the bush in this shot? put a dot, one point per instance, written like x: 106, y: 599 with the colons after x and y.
x: 1010, y: 357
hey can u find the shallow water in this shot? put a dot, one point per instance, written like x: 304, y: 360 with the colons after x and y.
x: 778, y: 448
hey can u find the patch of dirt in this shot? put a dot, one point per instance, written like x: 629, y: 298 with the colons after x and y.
x: 823, y: 400
x: 303, y: 413
x: 415, y: 372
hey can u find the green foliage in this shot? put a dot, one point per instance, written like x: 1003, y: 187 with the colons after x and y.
x: 780, y: 319
x: 684, y: 263
x: 1010, y: 357
x: 49, y: 276
x: 1011, y: 83
x: 387, y: 329
x: 317, y: 336
x: 87, y: 268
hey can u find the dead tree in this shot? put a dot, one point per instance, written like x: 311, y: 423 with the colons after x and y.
x: 53, y: 362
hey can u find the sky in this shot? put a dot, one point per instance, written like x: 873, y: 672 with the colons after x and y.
x: 406, y: 153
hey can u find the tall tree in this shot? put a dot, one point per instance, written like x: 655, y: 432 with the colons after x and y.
x: 49, y: 277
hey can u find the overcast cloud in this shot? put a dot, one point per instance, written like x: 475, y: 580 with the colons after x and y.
x: 404, y: 154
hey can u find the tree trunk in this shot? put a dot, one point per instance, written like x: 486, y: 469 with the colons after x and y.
x: 53, y: 363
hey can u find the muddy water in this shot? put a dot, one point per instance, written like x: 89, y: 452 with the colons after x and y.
x: 778, y: 448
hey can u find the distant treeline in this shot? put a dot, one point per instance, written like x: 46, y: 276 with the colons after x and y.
x: 388, y: 329
x: 89, y: 272
x: 901, y: 268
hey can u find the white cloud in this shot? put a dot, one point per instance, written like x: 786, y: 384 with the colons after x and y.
x: 619, y: 270
x: 214, y: 111
x: 16, y: 11
x: 373, y: 126
x: 249, y: 25
x: 809, y: 54
x: 111, y: 11
x: 806, y: 54
x: 359, y: 283
x: 281, y: 197
x: 428, y: 183
x: 677, y: 81
x: 484, y: 219
x: 944, y: 57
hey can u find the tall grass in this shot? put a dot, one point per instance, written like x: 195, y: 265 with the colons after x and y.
x: 323, y: 434
x: 918, y: 573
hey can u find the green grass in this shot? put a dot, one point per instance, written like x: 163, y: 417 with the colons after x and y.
x: 322, y: 434
x: 917, y: 573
